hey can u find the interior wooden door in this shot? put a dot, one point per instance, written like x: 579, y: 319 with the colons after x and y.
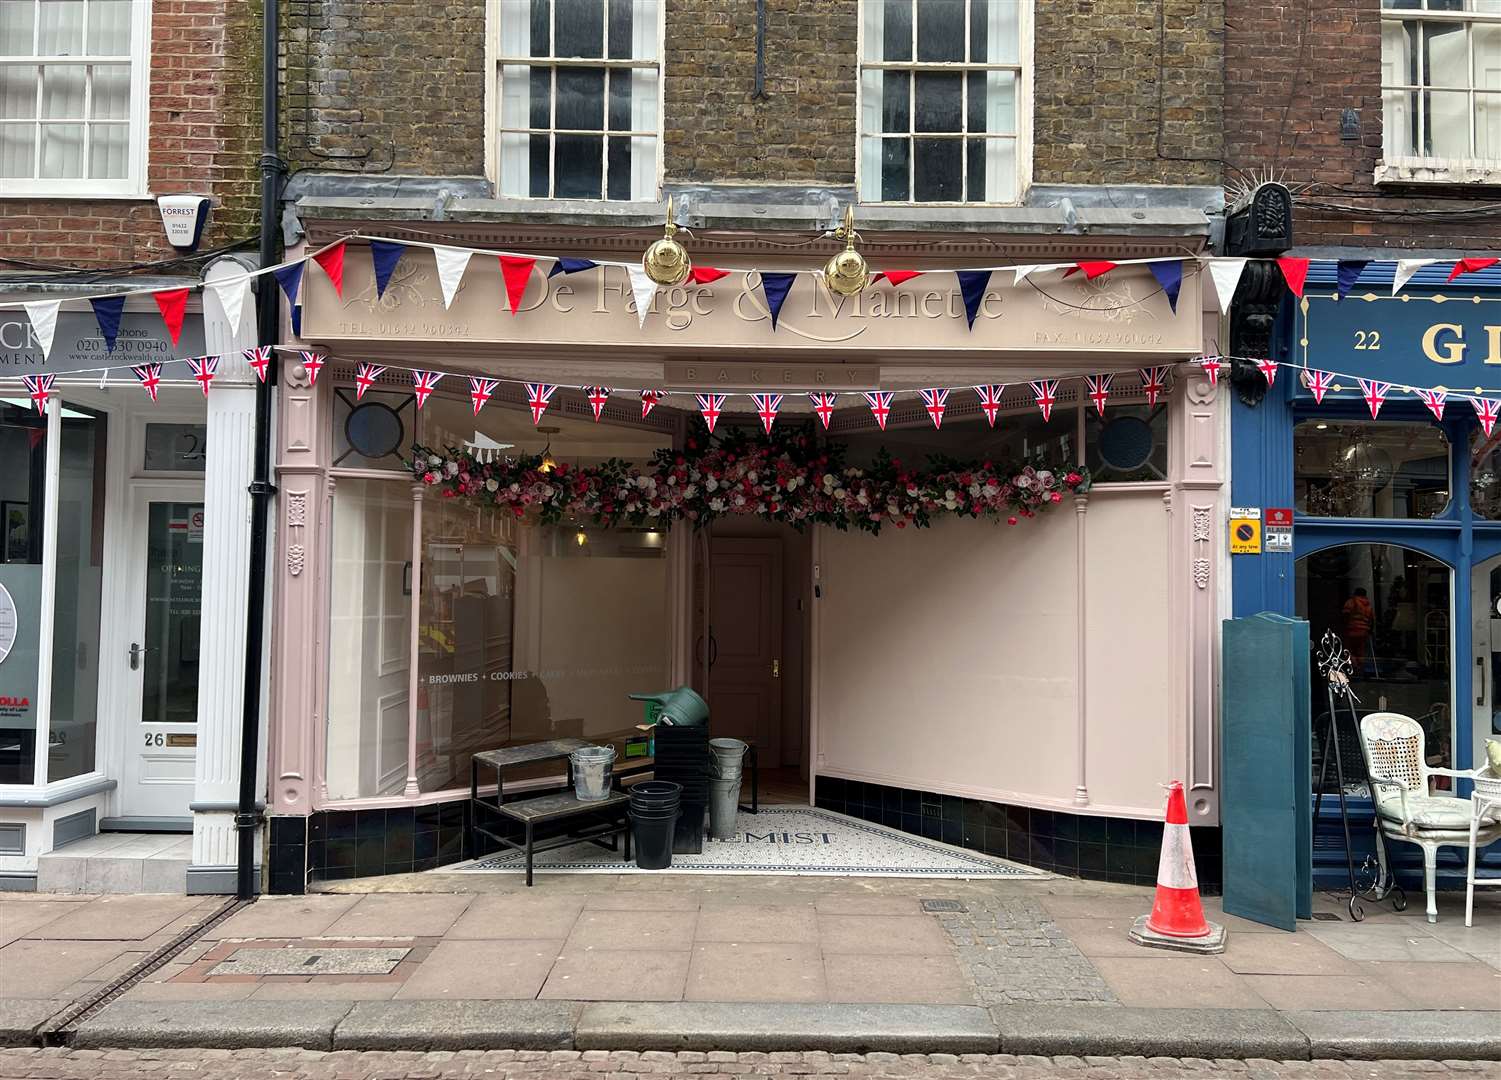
x: 745, y: 641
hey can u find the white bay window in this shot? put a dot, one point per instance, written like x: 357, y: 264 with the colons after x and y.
x: 579, y: 83
x: 941, y: 100
x: 72, y: 96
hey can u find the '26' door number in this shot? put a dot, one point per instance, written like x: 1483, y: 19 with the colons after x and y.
x: 155, y: 738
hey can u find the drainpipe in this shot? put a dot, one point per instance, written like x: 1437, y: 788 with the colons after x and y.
x: 268, y: 313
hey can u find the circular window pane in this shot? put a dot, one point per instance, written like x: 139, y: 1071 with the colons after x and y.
x: 1370, y: 469
x: 1126, y: 443
x: 374, y: 430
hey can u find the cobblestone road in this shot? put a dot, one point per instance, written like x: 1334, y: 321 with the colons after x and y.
x: 57, y: 1064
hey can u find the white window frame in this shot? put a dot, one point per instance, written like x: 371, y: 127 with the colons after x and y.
x: 1410, y: 168
x: 1022, y: 139
x: 133, y: 185
x: 496, y: 57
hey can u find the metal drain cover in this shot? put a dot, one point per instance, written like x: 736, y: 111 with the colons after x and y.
x: 1326, y: 916
x: 936, y: 906
x: 326, y: 961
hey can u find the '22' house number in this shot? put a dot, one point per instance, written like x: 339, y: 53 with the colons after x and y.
x: 1367, y: 340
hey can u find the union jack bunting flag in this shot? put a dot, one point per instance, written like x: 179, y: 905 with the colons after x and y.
x: 538, y: 395
x: 423, y: 384
x: 990, y: 400
x: 1099, y: 390
x: 935, y: 401
x: 766, y: 408
x: 1434, y: 399
x: 1319, y: 383
x: 1485, y: 411
x: 312, y: 363
x: 1374, y: 393
x: 39, y: 389
x: 150, y: 377
x: 880, y: 405
x: 259, y: 359
x: 364, y: 378
x: 480, y: 391
x: 1211, y: 366
x: 650, y: 399
x: 597, y: 396
x: 1046, y: 393
x: 823, y: 405
x: 204, y: 368
x: 1153, y: 382
x: 1268, y: 368
x: 710, y: 405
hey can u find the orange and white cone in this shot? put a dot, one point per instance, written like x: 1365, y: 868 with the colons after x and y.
x: 1177, y: 919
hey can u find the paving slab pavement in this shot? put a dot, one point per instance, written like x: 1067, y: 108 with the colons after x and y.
x: 753, y: 945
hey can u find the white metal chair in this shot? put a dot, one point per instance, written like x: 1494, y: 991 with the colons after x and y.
x: 1394, y: 753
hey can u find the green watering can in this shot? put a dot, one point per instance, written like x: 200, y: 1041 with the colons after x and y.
x: 679, y: 708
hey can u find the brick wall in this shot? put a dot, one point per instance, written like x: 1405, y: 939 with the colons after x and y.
x: 1128, y: 91
x: 1291, y: 69
x: 204, y: 137
x: 802, y: 132
x: 383, y: 86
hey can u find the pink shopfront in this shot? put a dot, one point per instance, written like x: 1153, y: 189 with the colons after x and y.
x: 1022, y: 690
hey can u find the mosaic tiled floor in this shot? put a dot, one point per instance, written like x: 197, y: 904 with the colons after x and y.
x: 782, y: 840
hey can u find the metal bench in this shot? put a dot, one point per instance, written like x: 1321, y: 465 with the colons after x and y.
x: 598, y: 819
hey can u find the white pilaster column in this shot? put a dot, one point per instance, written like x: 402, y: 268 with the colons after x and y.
x: 1081, y: 600
x: 226, y: 566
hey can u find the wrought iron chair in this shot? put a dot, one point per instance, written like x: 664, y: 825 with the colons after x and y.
x: 1393, y: 746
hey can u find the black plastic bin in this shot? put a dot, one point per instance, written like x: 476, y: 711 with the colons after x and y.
x: 655, y: 808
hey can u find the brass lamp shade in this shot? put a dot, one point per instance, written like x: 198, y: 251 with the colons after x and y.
x: 666, y: 262
x: 847, y: 273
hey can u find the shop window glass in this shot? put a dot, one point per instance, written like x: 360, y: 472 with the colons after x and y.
x: 1485, y: 476
x: 23, y: 448
x: 1128, y: 443
x: 1370, y: 469
x: 1017, y: 438
x: 375, y: 431
x: 80, y: 559
x: 369, y: 660
x: 532, y: 631
x: 1392, y: 608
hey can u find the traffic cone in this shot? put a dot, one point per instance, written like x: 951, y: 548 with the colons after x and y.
x: 1177, y: 919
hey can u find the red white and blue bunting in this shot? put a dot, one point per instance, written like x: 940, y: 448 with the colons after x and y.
x: 517, y: 269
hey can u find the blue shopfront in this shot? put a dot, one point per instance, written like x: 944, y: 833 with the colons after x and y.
x: 1397, y: 519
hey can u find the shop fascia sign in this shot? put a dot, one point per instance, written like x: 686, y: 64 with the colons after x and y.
x: 1442, y: 339
x: 1123, y: 313
x: 77, y: 344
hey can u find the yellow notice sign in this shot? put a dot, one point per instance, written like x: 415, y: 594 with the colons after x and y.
x: 1245, y: 536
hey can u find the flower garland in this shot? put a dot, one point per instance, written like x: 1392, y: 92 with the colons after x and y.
x: 788, y: 477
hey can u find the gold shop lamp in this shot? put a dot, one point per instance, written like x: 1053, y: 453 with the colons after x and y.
x: 666, y: 261
x: 847, y: 273
x: 549, y: 463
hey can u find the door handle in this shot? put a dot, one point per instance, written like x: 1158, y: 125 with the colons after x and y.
x: 1480, y: 680
x: 136, y: 652
x: 776, y: 668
